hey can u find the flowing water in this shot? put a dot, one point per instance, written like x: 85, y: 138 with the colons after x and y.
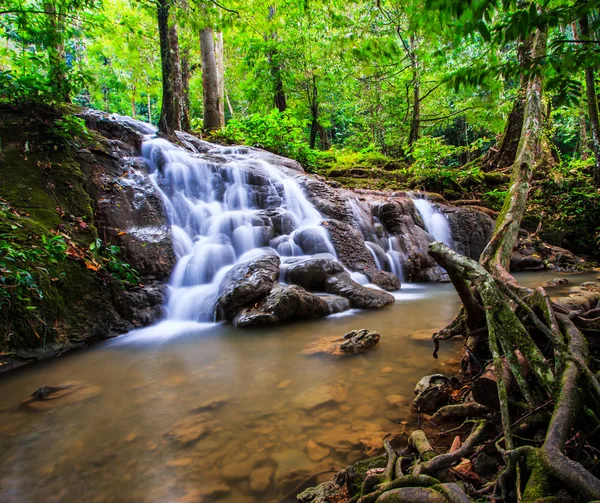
x: 218, y: 414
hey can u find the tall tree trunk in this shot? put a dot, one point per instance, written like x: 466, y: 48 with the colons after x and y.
x: 170, y: 114
x: 133, y: 101
x: 279, y: 98
x: 504, y: 153
x: 210, y: 81
x: 57, y: 72
x: 496, y: 256
x: 592, y: 103
x: 314, y: 111
x: 185, y: 90
x: 219, y: 57
x: 415, y: 123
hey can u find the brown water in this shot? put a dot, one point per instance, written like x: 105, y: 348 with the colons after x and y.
x: 219, y: 414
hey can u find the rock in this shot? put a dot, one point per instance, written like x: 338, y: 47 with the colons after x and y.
x: 359, y: 296
x: 335, y: 490
x: 314, y: 398
x: 260, y: 479
x: 357, y: 341
x: 316, y: 452
x: 284, y: 302
x: 212, y: 404
x: 236, y: 469
x: 247, y: 283
x: 555, y: 282
x: 311, y: 273
x: 352, y: 252
x: 433, y: 391
x: 190, y: 430
x: 50, y: 397
x: 395, y: 400
x: 471, y: 230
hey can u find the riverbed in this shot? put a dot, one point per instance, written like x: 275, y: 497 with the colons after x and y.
x: 211, y: 413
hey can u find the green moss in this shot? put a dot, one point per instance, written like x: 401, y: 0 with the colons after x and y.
x: 358, y: 471
x: 538, y: 486
x: 47, y: 296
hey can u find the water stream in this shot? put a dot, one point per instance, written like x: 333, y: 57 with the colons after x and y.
x: 257, y: 414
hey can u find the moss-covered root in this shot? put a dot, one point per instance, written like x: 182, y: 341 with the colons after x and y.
x: 376, y: 479
x: 412, y: 495
x: 404, y: 481
x: 418, y: 442
x: 453, y: 493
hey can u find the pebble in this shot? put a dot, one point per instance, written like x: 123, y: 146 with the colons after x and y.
x: 260, y: 479
x: 316, y: 452
x: 395, y: 400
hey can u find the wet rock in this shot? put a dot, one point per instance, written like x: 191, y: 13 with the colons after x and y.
x: 555, y: 282
x: 352, y: 252
x: 284, y: 302
x: 312, y: 273
x: 433, y: 392
x: 353, y: 342
x: 359, y: 296
x: 190, y: 430
x: 314, y: 398
x: 247, y: 283
x: 328, y: 492
x: 50, y: 397
x: 357, y: 341
x: 316, y: 452
x: 395, y: 400
x: 260, y: 479
x: 212, y: 404
x: 471, y: 230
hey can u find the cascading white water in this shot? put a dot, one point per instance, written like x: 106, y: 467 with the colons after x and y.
x: 385, y: 249
x: 223, y: 209
x: 435, y: 222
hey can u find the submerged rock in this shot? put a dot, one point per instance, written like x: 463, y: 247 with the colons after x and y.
x: 246, y: 284
x: 555, y: 282
x: 50, y: 397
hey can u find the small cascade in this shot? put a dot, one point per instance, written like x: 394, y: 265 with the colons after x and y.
x: 225, y: 207
x: 383, y: 248
x: 435, y: 222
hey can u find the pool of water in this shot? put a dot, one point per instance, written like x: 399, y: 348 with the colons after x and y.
x: 220, y: 414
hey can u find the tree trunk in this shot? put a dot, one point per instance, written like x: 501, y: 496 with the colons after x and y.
x: 185, y: 91
x: 504, y: 153
x: 496, y: 256
x: 415, y: 123
x: 57, y: 72
x: 220, y: 74
x: 170, y: 114
x: 314, y: 111
x: 592, y: 103
x: 210, y: 81
x: 279, y: 98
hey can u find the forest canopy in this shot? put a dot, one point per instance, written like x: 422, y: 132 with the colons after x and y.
x: 421, y: 94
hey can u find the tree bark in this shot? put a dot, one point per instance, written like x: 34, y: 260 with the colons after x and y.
x: 592, y: 103
x: 415, y: 123
x: 279, y: 98
x: 220, y: 74
x: 503, y: 155
x: 496, y: 256
x: 210, y: 81
x: 314, y: 111
x: 170, y: 114
x: 57, y: 74
x: 185, y: 91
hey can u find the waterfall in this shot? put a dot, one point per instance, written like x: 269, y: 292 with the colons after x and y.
x: 225, y: 207
x: 435, y: 222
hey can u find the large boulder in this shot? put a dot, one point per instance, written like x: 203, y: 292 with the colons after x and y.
x: 311, y: 273
x: 284, y: 302
x: 246, y: 284
x: 471, y: 230
x: 359, y: 296
x: 352, y: 252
